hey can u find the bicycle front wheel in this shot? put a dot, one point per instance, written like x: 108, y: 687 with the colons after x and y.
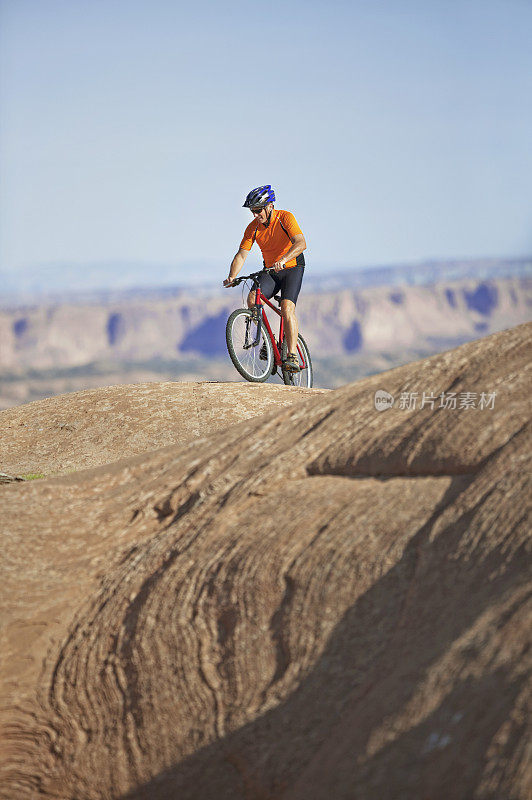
x: 305, y: 377
x: 253, y: 362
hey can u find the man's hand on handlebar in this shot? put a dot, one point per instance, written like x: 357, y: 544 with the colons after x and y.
x: 229, y: 282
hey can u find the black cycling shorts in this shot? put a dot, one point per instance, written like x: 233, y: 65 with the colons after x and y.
x: 287, y: 281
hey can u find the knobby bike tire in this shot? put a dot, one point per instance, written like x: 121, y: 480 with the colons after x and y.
x: 234, y: 349
x: 294, y: 378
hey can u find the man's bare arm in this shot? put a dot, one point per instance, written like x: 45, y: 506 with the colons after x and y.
x: 236, y: 265
x: 298, y: 245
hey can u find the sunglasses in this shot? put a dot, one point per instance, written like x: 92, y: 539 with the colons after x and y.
x: 256, y: 210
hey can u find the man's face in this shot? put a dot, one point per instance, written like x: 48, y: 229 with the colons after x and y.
x: 262, y: 213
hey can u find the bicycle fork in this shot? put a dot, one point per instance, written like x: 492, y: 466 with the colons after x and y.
x: 255, y: 316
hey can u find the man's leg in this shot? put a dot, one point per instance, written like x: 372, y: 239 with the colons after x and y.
x: 288, y: 310
x: 292, y: 279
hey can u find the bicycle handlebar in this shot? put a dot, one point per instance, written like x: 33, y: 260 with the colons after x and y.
x: 253, y: 276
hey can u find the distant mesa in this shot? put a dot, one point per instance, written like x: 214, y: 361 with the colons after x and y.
x: 353, y: 338
x: 116, y: 329
x: 207, y: 338
x: 20, y: 326
x: 98, y: 281
x: 169, y: 335
x: 483, y: 299
x: 451, y: 297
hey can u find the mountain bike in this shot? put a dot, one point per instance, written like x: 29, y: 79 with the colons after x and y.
x: 253, y: 348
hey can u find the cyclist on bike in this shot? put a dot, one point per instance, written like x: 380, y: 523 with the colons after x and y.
x: 282, y: 243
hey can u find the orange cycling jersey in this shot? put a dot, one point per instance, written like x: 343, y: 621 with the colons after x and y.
x: 274, y: 239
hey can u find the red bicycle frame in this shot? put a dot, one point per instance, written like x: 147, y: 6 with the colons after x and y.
x: 259, y: 302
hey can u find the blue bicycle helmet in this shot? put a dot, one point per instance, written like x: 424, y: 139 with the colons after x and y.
x: 259, y: 197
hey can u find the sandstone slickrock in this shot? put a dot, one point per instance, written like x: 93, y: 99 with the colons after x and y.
x: 88, y: 428
x: 325, y: 601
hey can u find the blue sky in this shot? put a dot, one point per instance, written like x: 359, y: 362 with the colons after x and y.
x: 395, y: 130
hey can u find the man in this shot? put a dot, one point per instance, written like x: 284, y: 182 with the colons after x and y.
x: 282, y: 243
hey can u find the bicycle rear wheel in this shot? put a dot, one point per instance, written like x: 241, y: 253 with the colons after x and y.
x: 304, y: 377
x: 254, y: 363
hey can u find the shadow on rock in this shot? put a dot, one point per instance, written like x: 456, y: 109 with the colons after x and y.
x: 407, y: 699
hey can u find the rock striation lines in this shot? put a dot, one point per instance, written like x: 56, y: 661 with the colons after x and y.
x: 323, y: 601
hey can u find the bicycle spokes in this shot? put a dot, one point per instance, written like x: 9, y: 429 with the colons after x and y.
x: 251, y: 354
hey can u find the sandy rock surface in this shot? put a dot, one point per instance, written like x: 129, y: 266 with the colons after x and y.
x: 97, y: 426
x: 325, y: 601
